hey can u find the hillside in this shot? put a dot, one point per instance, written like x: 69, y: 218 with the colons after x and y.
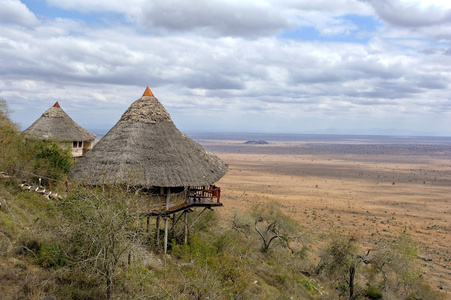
x: 59, y: 247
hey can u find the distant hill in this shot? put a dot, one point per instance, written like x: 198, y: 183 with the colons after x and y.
x: 259, y: 142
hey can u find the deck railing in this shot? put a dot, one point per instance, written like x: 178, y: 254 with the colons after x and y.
x: 202, y: 193
x: 194, y: 195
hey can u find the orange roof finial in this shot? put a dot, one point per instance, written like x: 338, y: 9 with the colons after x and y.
x: 56, y: 104
x: 148, y: 92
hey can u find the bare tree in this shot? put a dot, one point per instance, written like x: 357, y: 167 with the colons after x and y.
x: 273, y: 226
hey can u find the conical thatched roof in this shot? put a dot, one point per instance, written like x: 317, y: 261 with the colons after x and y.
x: 145, y: 148
x: 56, y: 124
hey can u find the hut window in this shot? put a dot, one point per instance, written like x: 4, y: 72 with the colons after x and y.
x: 77, y: 144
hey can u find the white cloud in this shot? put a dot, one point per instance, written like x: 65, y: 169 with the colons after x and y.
x: 97, y: 5
x: 326, y: 6
x: 16, y: 12
x: 211, y: 17
x: 239, y: 74
x: 411, y: 15
x: 429, y: 3
x: 414, y: 18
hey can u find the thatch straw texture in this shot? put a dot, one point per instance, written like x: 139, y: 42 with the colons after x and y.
x: 146, y: 149
x: 56, y: 124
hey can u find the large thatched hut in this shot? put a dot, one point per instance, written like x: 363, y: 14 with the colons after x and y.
x: 55, y: 124
x: 146, y: 150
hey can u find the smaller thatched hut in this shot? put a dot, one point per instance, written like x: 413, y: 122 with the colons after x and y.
x: 55, y: 124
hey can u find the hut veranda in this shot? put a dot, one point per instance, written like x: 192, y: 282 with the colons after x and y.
x: 146, y: 150
x: 55, y: 124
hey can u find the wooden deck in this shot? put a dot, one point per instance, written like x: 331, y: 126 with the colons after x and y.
x: 183, y: 206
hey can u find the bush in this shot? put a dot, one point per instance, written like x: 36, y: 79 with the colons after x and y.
x: 308, y: 285
x: 374, y: 293
x: 97, y: 229
x: 10, y: 140
x: 51, y: 160
x: 51, y: 255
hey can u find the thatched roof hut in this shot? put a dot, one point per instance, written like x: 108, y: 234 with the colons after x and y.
x: 55, y: 124
x: 146, y: 149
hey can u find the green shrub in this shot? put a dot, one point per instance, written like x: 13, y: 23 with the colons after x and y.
x: 51, y: 160
x: 51, y: 255
x: 374, y: 293
x: 308, y: 285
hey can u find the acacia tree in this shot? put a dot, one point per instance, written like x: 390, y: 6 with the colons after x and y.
x: 340, y: 261
x: 273, y: 226
x: 99, y: 230
x: 394, y: 260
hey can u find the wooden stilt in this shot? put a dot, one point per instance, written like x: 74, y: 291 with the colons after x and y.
x: 186, y: 227
x: 165, y: 235
x: 157, y: 237
x: 173, y: 215
x: 166, y: 223
x: 173, y: 226
x: 168, y: 197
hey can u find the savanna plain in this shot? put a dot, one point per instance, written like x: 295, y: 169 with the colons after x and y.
x: 370, y: 187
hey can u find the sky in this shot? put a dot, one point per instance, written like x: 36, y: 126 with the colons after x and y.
x: 276, y: 66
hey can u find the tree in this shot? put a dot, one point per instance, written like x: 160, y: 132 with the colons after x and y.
x: 273, y: 226
x: 340, y: 261
x: 50, y: 159
x: 392, y: 260
x: 99, y: 227
x: 396, y: 261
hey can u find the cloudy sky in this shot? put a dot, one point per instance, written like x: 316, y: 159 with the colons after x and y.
x: 288, y: 66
